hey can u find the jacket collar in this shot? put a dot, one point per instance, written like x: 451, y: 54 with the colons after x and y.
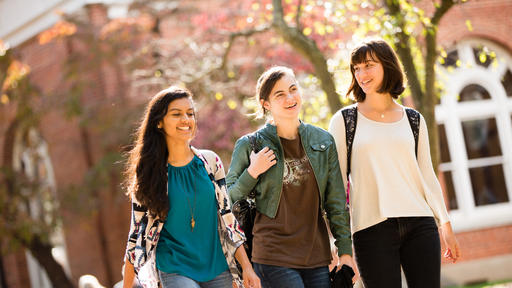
x: 270, y: 130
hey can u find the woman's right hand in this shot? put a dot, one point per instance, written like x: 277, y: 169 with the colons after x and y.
x: 261, y: 162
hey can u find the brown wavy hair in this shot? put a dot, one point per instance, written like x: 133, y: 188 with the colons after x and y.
x: 146, y: 172
x: 379, y: 51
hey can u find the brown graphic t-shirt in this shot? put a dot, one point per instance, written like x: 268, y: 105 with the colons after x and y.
x: 297, y: 237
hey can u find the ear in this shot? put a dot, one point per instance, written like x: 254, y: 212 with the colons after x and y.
x: 265, y: 104
x: 159, y: 125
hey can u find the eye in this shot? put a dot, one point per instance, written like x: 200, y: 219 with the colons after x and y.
x: 191, y: 114
x: 293, y: 88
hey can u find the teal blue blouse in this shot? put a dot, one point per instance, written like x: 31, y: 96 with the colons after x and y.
x: 197, y: 253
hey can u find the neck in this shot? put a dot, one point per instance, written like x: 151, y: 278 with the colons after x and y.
x: 288, y: 129
x: 179, y: 152
x: 379, y: 102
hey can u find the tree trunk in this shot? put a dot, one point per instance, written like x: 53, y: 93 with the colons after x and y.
x: 429, y: 101
x: 43, y: 253
x: 308, y: 48
x: 99, y: 218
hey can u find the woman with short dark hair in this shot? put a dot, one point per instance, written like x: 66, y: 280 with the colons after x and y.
x: 395, y: 198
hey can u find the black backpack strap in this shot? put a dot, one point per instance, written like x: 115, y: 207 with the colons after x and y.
x: 414, y: 121
x: 350, y: 119
x: 253, y: 141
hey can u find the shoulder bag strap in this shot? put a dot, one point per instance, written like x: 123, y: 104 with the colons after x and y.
x: 414, y: 120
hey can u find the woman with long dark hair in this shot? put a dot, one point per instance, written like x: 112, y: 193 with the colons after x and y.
x: 395, y: 198
x: 182, y: 232
x: 297, y: 181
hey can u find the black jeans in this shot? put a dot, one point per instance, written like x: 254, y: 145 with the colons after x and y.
x: 412, y: 242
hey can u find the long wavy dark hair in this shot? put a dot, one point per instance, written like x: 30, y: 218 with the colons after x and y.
x: 146, y: 172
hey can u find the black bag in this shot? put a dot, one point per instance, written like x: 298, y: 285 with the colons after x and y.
x: 342, y: 278
x: 245, y: 209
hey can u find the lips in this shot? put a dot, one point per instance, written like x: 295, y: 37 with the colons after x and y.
x: 291, y: 106
x: 365, y: 82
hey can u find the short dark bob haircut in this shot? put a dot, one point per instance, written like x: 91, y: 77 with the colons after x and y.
x: 378, y: 51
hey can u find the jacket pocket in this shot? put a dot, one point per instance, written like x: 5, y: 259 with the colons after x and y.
x: 321, y: 146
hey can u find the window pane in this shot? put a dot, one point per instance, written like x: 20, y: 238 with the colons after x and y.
x: 483, y: 56
x: 506, y: 80
x: 445, y: 153
x: 473, y: 92
x: 450, y: 190
x: 481, y: 138
x: 451, y: 59
x: 488, y: 185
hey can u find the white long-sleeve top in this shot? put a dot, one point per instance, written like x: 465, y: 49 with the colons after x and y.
x: 386, y: 178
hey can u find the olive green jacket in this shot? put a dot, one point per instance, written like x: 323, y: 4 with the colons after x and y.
x: 321, y: 151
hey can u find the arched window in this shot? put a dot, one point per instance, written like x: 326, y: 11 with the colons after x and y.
x: 31, y: 159
x: 475, y: 128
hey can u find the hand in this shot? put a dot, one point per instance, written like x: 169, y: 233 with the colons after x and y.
x: 450, y: 242
x: 346, y: 259
x: 261, y: 162
x: 251, y: 280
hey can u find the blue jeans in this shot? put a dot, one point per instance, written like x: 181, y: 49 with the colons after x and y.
x: 171, y: 280
x: 278, y: 277
x: 409, y: 242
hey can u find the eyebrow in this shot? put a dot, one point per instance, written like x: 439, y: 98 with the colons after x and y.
x: 177, y: 109
x: 278, y: 91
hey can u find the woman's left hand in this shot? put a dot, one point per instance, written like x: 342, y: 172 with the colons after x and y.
x: 251, y: 280
x: 452, y: 246
x: 346, y: 259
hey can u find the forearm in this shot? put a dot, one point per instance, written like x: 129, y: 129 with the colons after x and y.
x: 242, y: 258
x: 335, y: 205
x: 129, y: 274
x: 242, y: 186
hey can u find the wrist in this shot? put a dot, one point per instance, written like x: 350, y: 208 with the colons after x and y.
x: 251, y: 172
x: 446, y: 226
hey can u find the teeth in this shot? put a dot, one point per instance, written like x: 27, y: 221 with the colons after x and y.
x: 291, y: 106
x: 183, y: 128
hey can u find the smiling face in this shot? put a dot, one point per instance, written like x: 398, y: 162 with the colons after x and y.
x: 284, y: 101
x: 179, y: 124
x: 369, y: 74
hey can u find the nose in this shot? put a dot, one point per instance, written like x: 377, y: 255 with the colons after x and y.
x: 185, y: 117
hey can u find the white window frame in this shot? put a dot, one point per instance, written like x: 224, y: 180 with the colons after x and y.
x: 37, y: 274
x: 452, y: 113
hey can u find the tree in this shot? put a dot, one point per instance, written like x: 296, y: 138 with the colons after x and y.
x: 23, y: 221
x: 404, y: 23
x: 422, y: 85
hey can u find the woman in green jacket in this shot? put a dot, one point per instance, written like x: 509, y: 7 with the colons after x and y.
x: 297, y: 180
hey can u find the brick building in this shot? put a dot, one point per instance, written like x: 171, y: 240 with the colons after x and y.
x: 474, y: 116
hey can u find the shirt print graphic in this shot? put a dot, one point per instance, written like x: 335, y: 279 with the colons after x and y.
x: 296, y: 171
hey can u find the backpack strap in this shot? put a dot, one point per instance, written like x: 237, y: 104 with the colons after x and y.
x: 253, y: 141
x: 350, y: 119
x: 414, y: 120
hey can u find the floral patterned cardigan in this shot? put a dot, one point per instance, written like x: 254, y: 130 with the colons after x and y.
x: 145, y: 229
